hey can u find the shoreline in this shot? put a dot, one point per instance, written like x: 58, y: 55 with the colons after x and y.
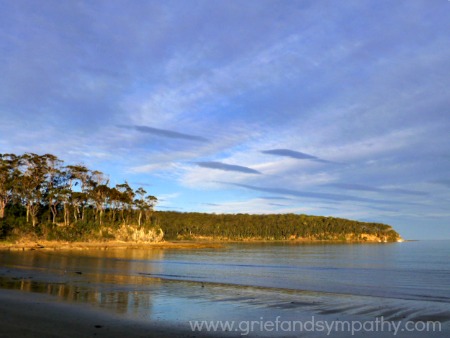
x: 180, y: 244
x: 59, y: 245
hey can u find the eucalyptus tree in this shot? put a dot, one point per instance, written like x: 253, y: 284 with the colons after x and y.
x: 54, y: 183
x: 8, y: 176
x: 31, y: 184
x: 115, y: 197
x: 80, y: 174
x: 98, y: 192
x: 126, y: 200
x: 79, y: 177
x: 139, y: 203
x: 100, y: 196
x: 43, y: 181
x: 150, y: 202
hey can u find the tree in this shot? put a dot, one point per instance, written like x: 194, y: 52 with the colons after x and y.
x: 44, y: 187
x: 98, y: 192
x: 126, y: 200
x: 140, y: 203
x: 8, y: 175
x: 55, y: 182
x: 31, y: 184
x: 80, y: 174
x: 150, y: 202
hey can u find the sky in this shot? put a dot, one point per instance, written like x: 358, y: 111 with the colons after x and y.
x: 333, y: 108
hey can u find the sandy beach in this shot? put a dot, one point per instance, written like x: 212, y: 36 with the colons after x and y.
x: 59, y: 245
x: 25, y: 314
x: 143, y: 292
x: 199, y: 243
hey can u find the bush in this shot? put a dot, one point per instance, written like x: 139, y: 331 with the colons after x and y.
x: 5, y: 229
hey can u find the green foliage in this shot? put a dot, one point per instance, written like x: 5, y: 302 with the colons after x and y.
x: 178, y: 225
x: 5, y: 229
x: 41, y: 197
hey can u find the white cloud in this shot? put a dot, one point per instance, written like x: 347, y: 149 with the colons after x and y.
x: 366, y: 89
x: 256, y: 205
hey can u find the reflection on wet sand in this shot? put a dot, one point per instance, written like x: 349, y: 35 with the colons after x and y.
x: 153, y: 291
x: 127, y: 282
x: 124, y: 302
x: 103, y: 278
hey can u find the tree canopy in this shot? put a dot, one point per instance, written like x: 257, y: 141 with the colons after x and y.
x: 42, y: 195
x: 51, y: 193
x: 177, y: 225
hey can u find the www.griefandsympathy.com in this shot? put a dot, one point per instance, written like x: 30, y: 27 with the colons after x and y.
x: 380, y: 324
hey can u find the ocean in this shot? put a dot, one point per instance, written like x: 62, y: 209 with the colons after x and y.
x: 245, y: 282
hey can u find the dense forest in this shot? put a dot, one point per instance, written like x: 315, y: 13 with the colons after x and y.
x: 41, y: 197
x: 177, y: 225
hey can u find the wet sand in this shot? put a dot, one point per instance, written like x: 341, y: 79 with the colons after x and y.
x: 25, y: 314
x: 29, y: 314
x: 116, y: 293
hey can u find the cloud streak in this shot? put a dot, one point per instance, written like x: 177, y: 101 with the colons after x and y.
x: 314, y: 195
x: 360, y: 187
x: 294, y: 154
x: 228, y: 167
x: 151, y: 90
x: 165, y: 133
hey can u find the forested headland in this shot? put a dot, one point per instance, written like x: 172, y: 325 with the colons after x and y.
x: 177, y: 225
x: 42, y: 198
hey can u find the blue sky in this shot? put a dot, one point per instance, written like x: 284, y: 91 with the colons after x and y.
x: 336, y: 108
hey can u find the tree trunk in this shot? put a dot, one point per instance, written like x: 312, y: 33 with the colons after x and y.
x: 54, y: 211
x: 28, y: 212
x: 66, y: 214
x: 2, y: 209
x: 33, y: 211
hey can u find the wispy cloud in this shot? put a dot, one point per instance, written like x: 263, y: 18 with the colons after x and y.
x: 278, y: 205
x: 165, y: 133
x: 227, y: 167
x: 294, y: 154
x: 360, y: 187
x: 274, y: 198
x: 306, y: 194
x: 248, y: 86
x: 250, y: 205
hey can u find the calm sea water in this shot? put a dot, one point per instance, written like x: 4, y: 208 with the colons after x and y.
x: 411, y: 270
x: 398, y: 280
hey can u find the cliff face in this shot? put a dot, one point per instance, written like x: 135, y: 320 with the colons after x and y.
x: 390, y: 236
x: 133, y: 233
